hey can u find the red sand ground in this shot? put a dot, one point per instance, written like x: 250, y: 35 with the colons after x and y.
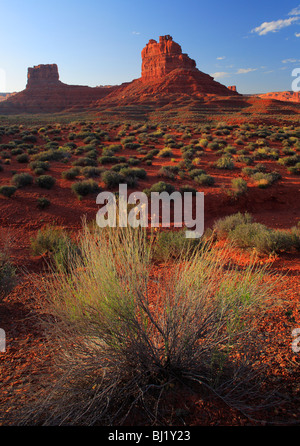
x: 276, y: 207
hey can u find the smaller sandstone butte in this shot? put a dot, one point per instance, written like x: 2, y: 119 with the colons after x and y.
x: 232, y: 88
x: 45, y: 93
x: 159, y: 59
x: 43, y: 76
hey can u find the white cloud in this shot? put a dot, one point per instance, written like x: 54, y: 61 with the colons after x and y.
x: 136, y: 33
x: 221, y: 58
x: 295, y: 11
x: 245, y: 70
x: 297, y: 34
x: 219, y: 74
x: 290, y: 61
x: 274, y: 26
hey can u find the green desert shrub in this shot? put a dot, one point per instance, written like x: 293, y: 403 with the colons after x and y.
x: 266, y: 153
x: 289, y: 160
x: 133, y: 172
x: 159, y: 187
x: 71, y: 174
x: 90, y: 171
x: 150, y: 155
x: 132, y: 146
x: 294, y: 170
x: 265, y: 240
x: 56, y: 243
x: 118, y: 167
x: 108, y: 159
x: 238, y: 187
x: 166, y: 152
x: 111, y: 179
x: 213, y: 146
x: 22, y: 179
x: 44, y: 165
x: 17, y: 151
x: 205, y: 180
x: 43, y: 203
x: 241, y: 230
x: 173, y: 244
x: 7, y: 191
x: 5, y: 154
x: 84, y: 161
x: 264, y: 180
x: 225, y: 162
x: 53, y: 154
x: 196, y: 173
x: 23, y: 158
x: 133, y: 161
x: 85, y: 187
x: 245, y: 160
x: 225, y: 225
x: 168, y: 172
x: 45, y: 181
x: 187, y: 188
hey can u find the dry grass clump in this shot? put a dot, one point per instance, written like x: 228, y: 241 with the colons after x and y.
x: 121, y: 339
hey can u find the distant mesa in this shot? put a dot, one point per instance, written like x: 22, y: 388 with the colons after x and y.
x: 4, y: 96
x: 232, y: 88
x: 287, y: 96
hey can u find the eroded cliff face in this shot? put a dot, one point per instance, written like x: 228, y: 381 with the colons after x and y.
x: 160, y: 58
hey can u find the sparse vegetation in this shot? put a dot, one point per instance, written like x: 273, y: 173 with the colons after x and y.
x: 195, y: 331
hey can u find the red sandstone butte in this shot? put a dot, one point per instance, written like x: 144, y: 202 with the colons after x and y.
x: 43, y: 76
x: 45, y: 93
x: 167, y: 73
x: 159, y: 59
x: 164, y: 62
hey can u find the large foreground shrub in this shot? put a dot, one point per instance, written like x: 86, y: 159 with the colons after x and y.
x: 122, y: 336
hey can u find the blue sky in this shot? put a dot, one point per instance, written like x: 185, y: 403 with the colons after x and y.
x: 252, y: 44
